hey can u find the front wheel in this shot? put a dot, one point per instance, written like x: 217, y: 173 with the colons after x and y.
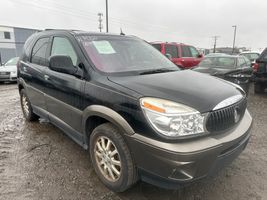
x: 111, y: 158
x: 26, y: 107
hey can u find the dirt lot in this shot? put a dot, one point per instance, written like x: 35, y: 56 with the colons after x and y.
x: 37, y: 161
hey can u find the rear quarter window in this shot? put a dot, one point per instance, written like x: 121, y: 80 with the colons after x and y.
x: 26, y: 54
x: 157, y: 46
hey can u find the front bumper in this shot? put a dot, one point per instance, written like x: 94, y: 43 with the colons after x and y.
x: 8, y: 78
x: 172, y: 164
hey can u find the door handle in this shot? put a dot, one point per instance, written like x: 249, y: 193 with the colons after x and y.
x: 46, y: 77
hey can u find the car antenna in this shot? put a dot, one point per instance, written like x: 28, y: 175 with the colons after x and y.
x: 122, y: 32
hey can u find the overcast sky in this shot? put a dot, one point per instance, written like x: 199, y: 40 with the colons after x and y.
x: 189, y: 21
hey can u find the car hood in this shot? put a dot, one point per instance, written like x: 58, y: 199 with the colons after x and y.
x: 193, y: 89
x: 10, y: 68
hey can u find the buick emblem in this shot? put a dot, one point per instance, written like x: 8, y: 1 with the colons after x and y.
x: 236, y: 115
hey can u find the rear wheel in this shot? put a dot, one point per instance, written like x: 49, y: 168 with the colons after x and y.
x: 111, y: 158
x: 26, y: 107
x: 258, y: 88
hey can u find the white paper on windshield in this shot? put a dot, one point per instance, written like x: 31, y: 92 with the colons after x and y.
x: 104, y: 47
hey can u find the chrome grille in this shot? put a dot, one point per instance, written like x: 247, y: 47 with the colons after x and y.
x: 4, y: 73
x: 225, y: 118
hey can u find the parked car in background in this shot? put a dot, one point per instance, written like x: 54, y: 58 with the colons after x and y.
x: 140, y: 116
x: 260, y: 73
x: 182, y: 55
x: 8, y: 72
x: 251, y: 55
x: 216, y: 54
x: 236, y: 69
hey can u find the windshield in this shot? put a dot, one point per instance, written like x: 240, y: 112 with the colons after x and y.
x: 120, y: 54
x: 251, y: 56
x: 219, y: 62
x: 12, y: 62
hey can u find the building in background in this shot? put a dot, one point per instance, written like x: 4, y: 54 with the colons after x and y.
x: 12, y: 40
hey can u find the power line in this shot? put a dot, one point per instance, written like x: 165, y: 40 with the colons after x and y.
x: 88, y: 14
x: 56, y: 10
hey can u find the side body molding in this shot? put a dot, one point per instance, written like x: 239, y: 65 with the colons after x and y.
x: 108, y: 114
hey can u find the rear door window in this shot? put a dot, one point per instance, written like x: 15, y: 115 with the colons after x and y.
x: 186, y: 51
x: 39, y: 52
x: 172, y: 50
x: 157, y: 46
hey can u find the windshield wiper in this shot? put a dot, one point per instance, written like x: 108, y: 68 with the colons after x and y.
x: 154, y: 71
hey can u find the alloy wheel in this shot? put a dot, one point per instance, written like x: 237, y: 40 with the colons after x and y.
x: 25, y: 105
x: 107, y: 159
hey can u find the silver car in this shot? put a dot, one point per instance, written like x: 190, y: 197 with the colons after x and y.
x: 8, y: 72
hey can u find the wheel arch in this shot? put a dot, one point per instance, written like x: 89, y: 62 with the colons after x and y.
x: 21, y: 84
x: 95, y: 115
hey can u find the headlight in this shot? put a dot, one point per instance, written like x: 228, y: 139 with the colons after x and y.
x: 172, y: 119
x: 14, y: 72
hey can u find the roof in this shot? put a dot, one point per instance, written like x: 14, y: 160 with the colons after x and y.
x: 81, y: 32
x: 159, y: 42
x: 247, y: 52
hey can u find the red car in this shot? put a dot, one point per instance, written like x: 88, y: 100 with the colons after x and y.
x: 184, y: 56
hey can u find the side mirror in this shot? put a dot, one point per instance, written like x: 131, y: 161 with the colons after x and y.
x: 169, y: 56
x: 62, y: 63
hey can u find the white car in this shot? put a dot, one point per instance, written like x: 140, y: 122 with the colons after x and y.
x: 8, y: 72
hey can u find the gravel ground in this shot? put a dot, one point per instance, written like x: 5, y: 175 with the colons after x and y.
x: 37, y: 161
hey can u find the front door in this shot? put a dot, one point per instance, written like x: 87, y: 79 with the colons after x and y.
x: 63, y: 91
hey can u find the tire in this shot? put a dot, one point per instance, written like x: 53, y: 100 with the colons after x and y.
x: 102, y: 159
x: 258, y: 88
x: 26, y: 107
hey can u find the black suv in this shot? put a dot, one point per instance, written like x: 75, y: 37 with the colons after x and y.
x: 260, y: 73
x: 138, y: 115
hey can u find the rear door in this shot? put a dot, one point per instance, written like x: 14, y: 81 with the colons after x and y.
x: 32, y: 72
x: 173, y: 51
x: 186, y: 60
x: 64, y: 91
x: 195, y: 56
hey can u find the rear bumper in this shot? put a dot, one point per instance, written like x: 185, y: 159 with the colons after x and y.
x: 172, y: 164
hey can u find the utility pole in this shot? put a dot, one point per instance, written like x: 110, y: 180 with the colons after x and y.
x: 107, y: 16
x: 100, y: 15
x: 215, y: 42
x: 234, y: 38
